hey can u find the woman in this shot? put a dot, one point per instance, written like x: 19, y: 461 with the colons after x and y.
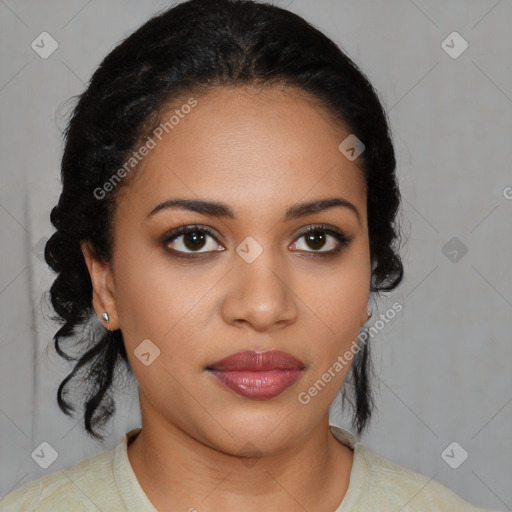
x: 228, y: 209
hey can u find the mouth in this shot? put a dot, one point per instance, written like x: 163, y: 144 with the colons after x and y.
x: 258, y: 375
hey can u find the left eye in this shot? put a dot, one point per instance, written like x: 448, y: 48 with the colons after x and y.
x: 318, y: 238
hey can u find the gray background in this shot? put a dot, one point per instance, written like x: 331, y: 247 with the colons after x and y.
x: 443, y: 362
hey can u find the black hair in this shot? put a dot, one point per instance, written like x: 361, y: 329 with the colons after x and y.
x: 195, y: 46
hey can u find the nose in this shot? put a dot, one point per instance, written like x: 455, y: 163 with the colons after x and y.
x: 260, y: 295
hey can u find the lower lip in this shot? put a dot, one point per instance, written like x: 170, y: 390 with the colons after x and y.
x: 259, y: 385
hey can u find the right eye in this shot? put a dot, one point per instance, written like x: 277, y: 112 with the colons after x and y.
x: 188, y: 240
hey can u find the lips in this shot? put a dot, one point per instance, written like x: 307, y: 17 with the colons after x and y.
x: 257, y: 375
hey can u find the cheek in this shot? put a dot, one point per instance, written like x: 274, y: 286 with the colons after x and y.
x: 338, y: 305
x: 339, y: 298
x: 160, y: 301
x: 151, y: 293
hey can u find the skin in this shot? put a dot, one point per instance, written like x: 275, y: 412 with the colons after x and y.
x: 260, y: 152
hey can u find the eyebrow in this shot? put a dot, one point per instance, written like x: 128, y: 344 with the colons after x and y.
x: 222, y: 210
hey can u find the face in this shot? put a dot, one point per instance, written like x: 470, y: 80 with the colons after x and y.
x: 250, y: 280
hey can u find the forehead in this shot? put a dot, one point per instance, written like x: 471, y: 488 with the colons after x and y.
x: 270, y: 147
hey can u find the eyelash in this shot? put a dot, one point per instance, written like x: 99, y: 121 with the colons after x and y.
x: 342, y: 239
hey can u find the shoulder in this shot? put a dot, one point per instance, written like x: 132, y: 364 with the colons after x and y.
x: 88, y: 485
x: 392, y: 485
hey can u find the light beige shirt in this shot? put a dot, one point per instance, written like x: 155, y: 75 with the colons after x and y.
x: 106, y: 482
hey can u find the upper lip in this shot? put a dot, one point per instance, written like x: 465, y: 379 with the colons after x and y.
x: 251, y: 360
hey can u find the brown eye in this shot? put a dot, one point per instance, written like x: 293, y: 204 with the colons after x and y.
x: 315, y: 240
x: 190, y: 240
x: 318, y: 238
x: 194, y: 240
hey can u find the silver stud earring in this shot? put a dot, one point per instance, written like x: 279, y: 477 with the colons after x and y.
x: 106, y: 318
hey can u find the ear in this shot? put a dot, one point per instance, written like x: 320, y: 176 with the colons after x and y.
x: 103, y: 295
x: 365, y: 317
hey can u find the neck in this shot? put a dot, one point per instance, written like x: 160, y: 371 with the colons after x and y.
x: 179, y: 472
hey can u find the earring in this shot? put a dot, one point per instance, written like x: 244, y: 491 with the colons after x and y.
x: 105, y: 317
x: 369, y: 312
